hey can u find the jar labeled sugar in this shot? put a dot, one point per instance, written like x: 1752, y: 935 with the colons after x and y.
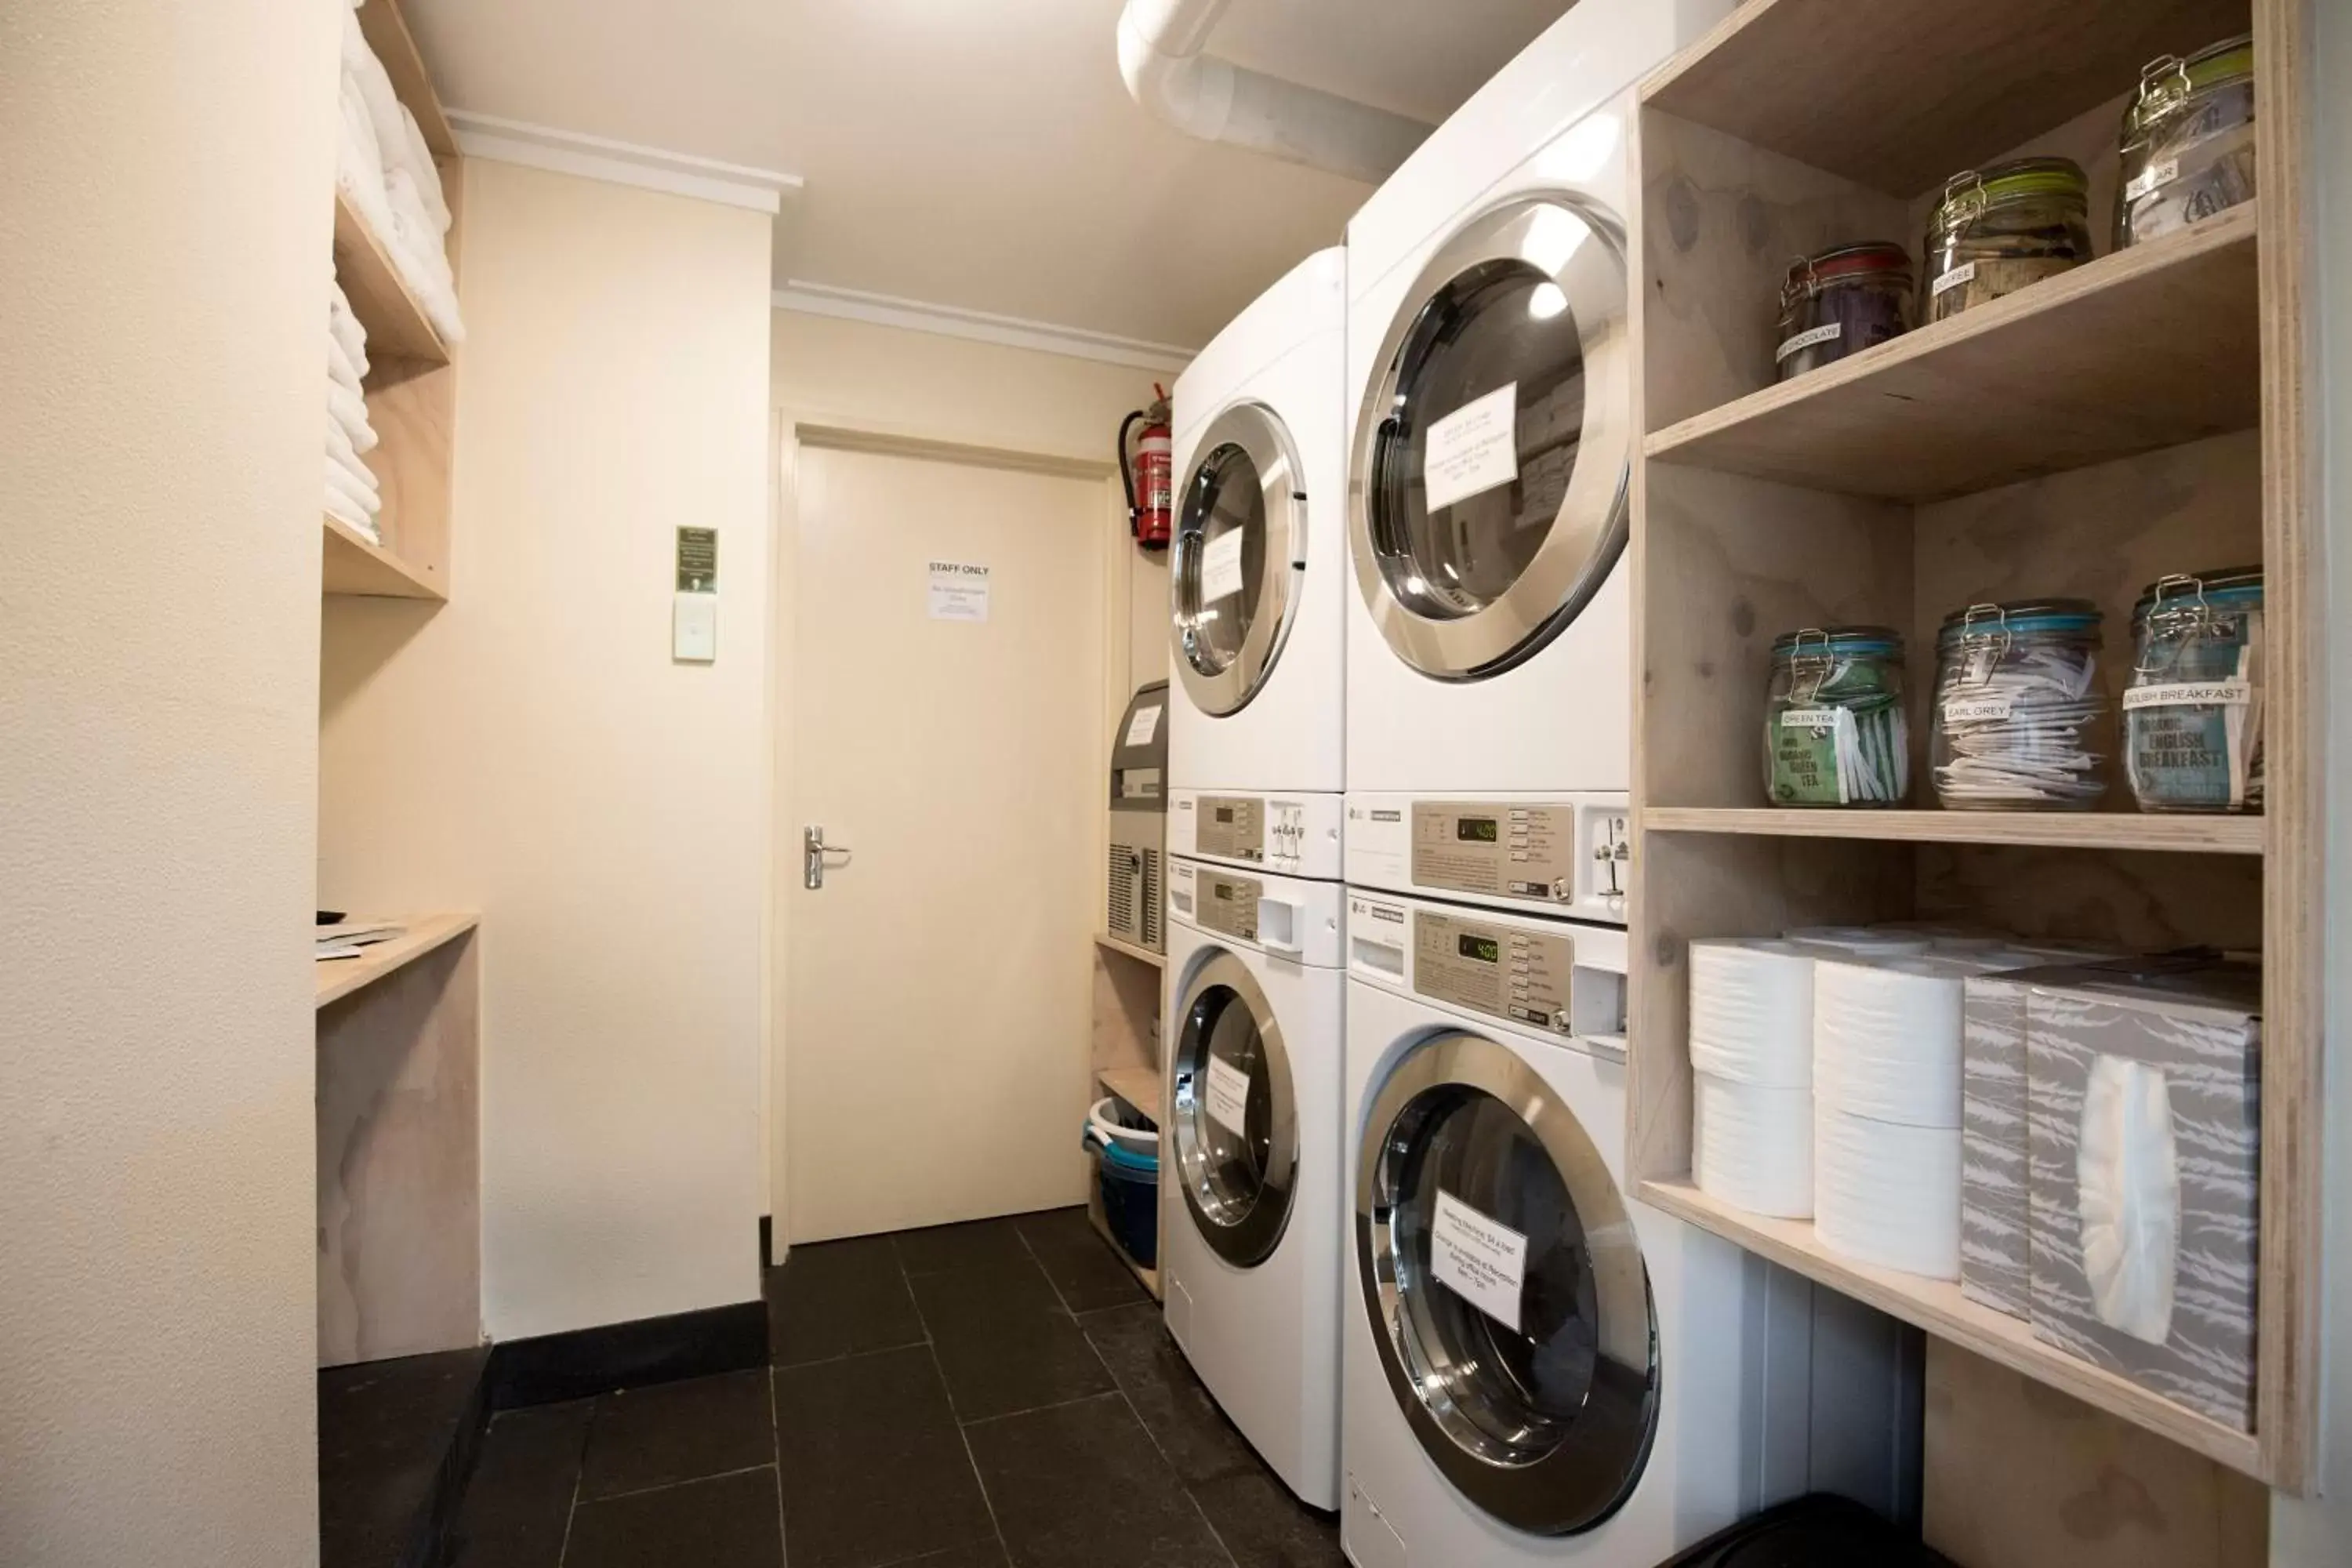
x: 1997, y: 230
x: 2020, y: 720
x: 1834, y: 731
x: 2188, y: 141
x: 1841, y: 302
x: 2193, y: 711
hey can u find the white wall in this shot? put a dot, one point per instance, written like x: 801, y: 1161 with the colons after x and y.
x: 163, y: 238
x: 530, y: 750
x: 2316, y: 1532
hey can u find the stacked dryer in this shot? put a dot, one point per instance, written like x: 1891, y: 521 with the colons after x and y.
x: 1252, y: 1130
x: 1538, y: 1368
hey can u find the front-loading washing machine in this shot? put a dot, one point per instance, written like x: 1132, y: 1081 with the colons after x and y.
x: 1490, y: 375
x: 1257, y: 561
x: 1538, y: 1369
x: 1251, y: 1214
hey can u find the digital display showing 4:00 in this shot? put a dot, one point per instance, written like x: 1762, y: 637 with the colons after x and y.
x: 1477, y: 829
x: 1484, y: 949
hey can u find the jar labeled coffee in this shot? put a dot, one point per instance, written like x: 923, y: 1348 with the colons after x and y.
x: 1841, y: 302
x: 1997, y: 230
x: 1834, y: 729
x: 2193, y: 711
x: 2188, y: 141
x: 2021, y: 721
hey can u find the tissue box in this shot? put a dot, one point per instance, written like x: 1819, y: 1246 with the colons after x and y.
x: 1994, y: 1210
x: 2144, y: 1162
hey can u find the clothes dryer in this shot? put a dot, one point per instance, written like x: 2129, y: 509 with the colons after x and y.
x: 1257, y: 564
x: 1250, y: 1157
x: 1490, y: 399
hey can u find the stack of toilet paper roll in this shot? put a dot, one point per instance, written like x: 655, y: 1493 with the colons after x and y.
x: 1887, y: 1094
x: 1752, y: 1046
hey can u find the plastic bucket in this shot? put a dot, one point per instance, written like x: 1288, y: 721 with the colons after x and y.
x: 1129, y: 1183
x: 1104, y: 1124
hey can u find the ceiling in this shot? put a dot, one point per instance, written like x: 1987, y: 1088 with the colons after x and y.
x: 980, y: 156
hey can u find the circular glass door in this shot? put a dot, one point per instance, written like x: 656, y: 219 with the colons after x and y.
x: 1493, y: 452
x: 1239, y: 528
x: 1236, y: 1117
x: 1507, y: 1289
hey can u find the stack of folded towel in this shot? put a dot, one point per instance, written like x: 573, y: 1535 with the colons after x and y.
x: 351, y: 487
x: 387, y: 173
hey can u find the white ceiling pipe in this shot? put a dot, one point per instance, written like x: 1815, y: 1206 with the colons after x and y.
x: 1159, y: 45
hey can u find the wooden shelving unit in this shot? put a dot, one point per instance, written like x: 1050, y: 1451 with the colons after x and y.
x: 1138, y: 1085
x: 411, y: 386
x: 1128, y: 950
x: 339, y: 978
x: 2145, y: 413
x: 1125, y: 1049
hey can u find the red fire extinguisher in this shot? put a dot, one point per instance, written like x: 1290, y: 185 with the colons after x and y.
x: 1149, y: 471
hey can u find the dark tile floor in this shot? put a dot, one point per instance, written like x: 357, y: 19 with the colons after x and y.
x: 999, y: 1395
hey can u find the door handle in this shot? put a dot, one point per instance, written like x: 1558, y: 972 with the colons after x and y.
x: 814, y: 850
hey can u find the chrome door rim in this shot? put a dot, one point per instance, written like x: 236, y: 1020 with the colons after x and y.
x: 1258, y: 432
x: 1249, y: 1239
x: 1583, y: 1478
x: 1577, y: 556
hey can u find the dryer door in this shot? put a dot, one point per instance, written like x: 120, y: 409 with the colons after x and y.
x: 1241, y: 536
x: 1487, y: 484
x: 1237, y: 1116
x: 1507, y: 1289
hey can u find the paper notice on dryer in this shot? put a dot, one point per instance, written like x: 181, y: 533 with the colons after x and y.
x: 1478, y: 1258
x: 1473, y: 450
x: 1228, y: 1095
x: 1143, y: 726
x: 958, y: 591
x: 1220, y: 566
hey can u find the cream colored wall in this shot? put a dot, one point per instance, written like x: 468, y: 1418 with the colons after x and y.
x: 165, y: 226
x: 530, y: 751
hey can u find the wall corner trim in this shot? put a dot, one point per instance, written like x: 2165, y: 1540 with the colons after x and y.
x: 980, y: 326
x: 621, y: 163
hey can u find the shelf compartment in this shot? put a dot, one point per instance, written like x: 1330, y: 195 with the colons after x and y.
x: 1140, y: 1087
x: 386, y: 31
x: 356, y: 564
x: 1895, y: 97
x: 2047, y: 830
x: 1938, y: 1307
x: 339, y: 977
x: 397, y: 325
x: 1109, y: 944
x: 2151, y: 347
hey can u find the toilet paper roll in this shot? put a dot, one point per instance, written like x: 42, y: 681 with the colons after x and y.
x: 1752, y: 1146
x: 1865, y: 941
x: 1887, y: 1194
x: 1886, y: 1037
x: 1751, y: 1011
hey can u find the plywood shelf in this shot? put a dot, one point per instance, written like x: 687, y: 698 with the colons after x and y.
x: 339, y: 978
x: 2050, y: 830
x: 1109, y: 944
x: 1938, y: 1307
x: 398, y: 327
x: 2146, y: 348
x: 356, y: 564
x: 1140, y: 1087
x: 1896, y: 97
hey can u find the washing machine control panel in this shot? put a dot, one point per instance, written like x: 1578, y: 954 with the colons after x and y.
x: 1215, y: 899
x: 1233, y: 827
x: 1569, y: 855
x: 1290, y: 836
x: 1494, y: 969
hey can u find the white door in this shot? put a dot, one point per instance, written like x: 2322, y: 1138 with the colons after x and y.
x: 945, y: 726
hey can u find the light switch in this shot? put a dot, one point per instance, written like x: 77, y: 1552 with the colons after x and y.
x: 694, y: 628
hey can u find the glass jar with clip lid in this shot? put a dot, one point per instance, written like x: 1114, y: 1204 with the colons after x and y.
x: 1997, y: 230
x: 2020, y: 720
x: 1847, y: 299
x: 1834, y: 728
x: 2193, y: 711
x: 2188, y: 141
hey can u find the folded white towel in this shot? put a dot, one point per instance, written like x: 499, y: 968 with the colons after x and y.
x: 341, y: 484
x: 375, y: 91
x: 342, y: 507
x: 359, y: 167
x: 427, y: 173
x: 347, y: 412
x: 341, y: 372
x: 344, y: 327
x: 340, y: 449
x: 425, y: 265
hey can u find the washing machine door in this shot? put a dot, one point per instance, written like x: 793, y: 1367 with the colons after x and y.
x: 1238, y: 551
x: 1235, y: 1112
x: 1506, y: 1286
x: 1488, y: 481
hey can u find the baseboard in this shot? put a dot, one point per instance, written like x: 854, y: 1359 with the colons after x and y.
x: 767, y: 1241
x: 553, y: 1367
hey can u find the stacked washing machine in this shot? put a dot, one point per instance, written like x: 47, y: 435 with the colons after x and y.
x: 1396, y: 994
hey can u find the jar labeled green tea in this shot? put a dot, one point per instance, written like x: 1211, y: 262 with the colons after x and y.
x: 1998, y: 229
x: 2193, y: 712
x: 2188, y: 141
x: 2020, y: 720
x: 1834, y: 731
x: 1842, y: 303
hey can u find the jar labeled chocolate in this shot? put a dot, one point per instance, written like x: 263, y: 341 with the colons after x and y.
x: 2193, y: 712
x: 2020, y: 720
x: 1998, y: 229
x: 1834, y: 729
x: 2188, y: 141
x: 1841, y: 302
